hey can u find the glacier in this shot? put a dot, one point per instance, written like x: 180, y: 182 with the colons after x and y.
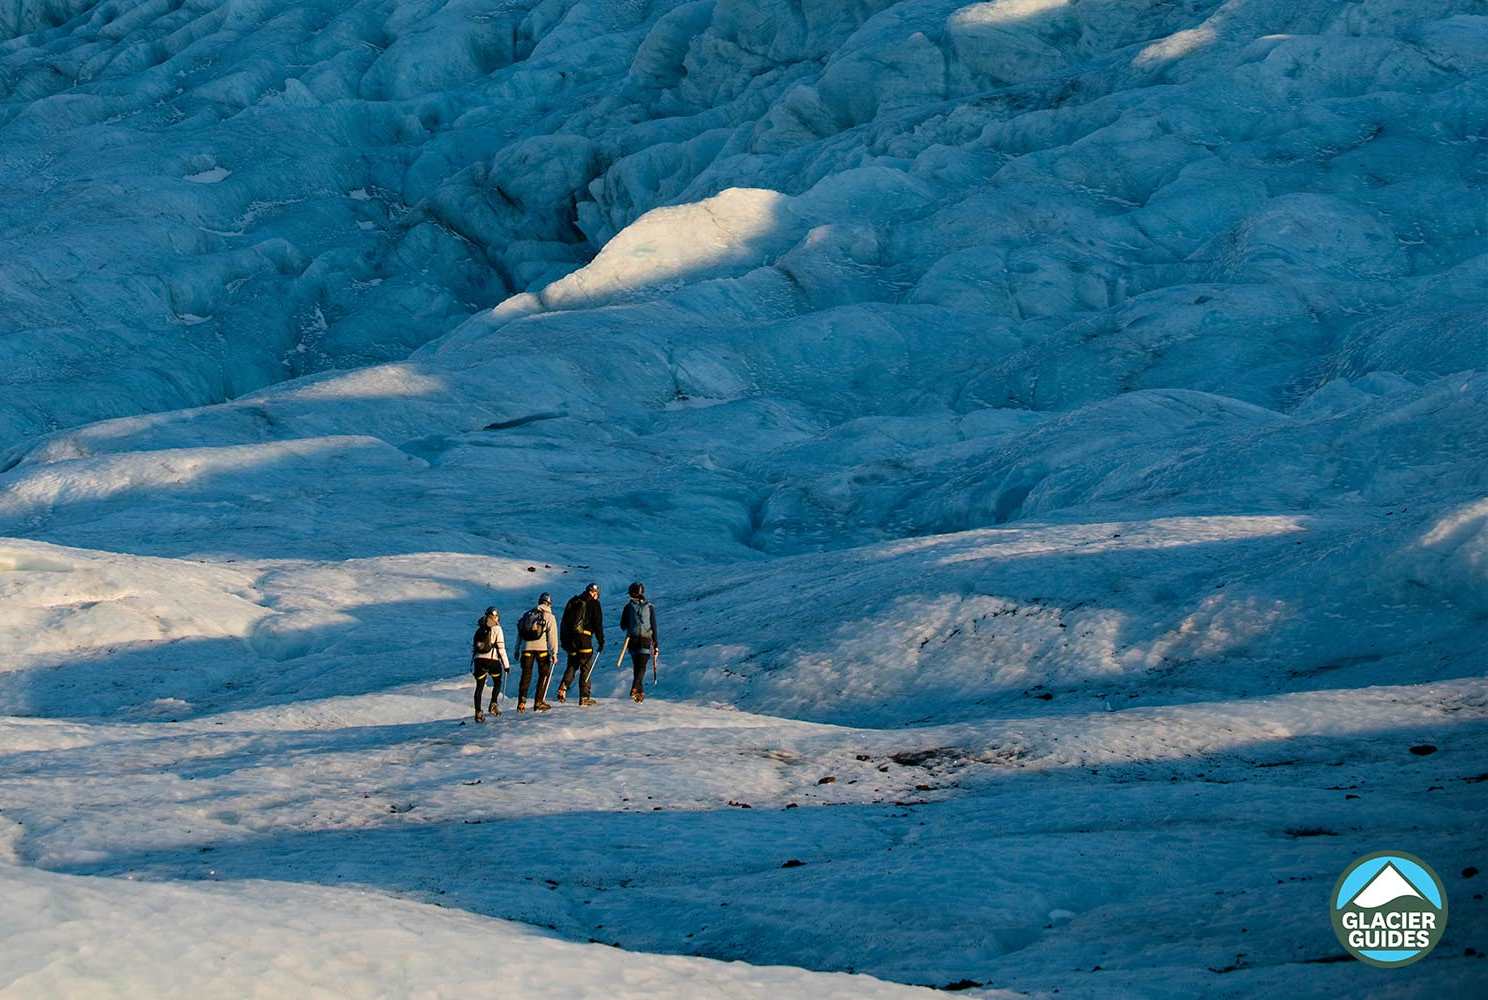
x: 1063, y: 424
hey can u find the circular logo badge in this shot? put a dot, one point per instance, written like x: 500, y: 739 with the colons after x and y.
x: 1389, y: 909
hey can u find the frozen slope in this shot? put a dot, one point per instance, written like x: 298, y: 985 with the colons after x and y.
x: 164, y: 941
x: 1246, y: 197
x: 1062, y: 424
x: 1147, y: 852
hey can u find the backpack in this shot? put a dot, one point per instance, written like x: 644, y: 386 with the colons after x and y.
x: 575, y: 619
x: 533, y: 625
x: 482, y: 643
x: 640, y: 620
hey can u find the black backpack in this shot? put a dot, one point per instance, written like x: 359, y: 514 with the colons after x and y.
x: 575, y: 619
x: 483, y: 642
x: 533, y: 625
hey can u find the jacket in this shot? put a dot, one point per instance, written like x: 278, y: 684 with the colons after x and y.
x: 629, y: 620
x: 583, y: 622
x: 548, y: 641
x: 486, y: 635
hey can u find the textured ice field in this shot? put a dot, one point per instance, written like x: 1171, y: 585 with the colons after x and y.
x: 251, y: 940
x: 1064, y: 425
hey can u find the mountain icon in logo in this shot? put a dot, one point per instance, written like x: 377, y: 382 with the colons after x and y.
x: 1389, y: 909
x: 1385, y: 887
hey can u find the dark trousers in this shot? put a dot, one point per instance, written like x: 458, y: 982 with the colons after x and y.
x: 482, y: 670
x: 638, y: 660
x: 583, y: 665
x: 544, y: 675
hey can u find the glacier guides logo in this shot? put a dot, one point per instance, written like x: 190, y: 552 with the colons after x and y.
x: 1389, y: 909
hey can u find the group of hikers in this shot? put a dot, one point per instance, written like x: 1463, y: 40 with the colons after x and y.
x: 581, y: 636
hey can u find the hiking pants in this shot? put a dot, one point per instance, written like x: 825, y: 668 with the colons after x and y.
x: 544, y: 674
x: 583, y: 665
x: 639, y: 658
x: 483, y: 669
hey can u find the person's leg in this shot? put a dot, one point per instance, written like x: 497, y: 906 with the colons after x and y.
x: 586, y: 677
x: 480, y: 683
x: 568, y: 676
x: 526, y: 679
x: 638, y: 662
x: 544, y: 676
x: 496, y: 679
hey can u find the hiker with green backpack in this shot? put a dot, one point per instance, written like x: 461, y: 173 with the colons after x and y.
x: 638, y: 622
x: 537, y: 643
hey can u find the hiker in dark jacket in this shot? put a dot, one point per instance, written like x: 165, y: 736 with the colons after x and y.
x: 488, y: 659
x: 638, y: 622
x: 582, y: 638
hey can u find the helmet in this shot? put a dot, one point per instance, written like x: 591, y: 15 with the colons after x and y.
x: 638, y: 589
x: 491, y: 613
x: 545, y: 598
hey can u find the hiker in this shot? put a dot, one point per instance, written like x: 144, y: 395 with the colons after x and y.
x: 582, y: 638
x: 638, y: 622
x: 488, y: 659
x: 537, y: 635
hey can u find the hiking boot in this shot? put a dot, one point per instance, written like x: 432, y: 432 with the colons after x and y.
x: 521, y: 704
x: 542, y: 706
x: 637, y: 695
x: 586, y: 702
x: 562, y: 693
x: 494, y: 711
x: 480, y: 716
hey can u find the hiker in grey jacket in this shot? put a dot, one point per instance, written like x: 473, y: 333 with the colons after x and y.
x: 638, y: 622
x: 537, y: 642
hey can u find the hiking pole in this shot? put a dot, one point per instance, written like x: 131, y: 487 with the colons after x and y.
x: 655, y: 659
x: 623, y: 647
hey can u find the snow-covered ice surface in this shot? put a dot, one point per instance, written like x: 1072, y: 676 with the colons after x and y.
x: 1064, y: 425
x: 250, y: 940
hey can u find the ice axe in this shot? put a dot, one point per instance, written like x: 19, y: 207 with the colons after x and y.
x: 623, y: 647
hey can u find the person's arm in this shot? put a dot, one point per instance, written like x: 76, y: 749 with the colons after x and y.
x: 498, y: 633
x: 599, y: 624
x: 552, y: 637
